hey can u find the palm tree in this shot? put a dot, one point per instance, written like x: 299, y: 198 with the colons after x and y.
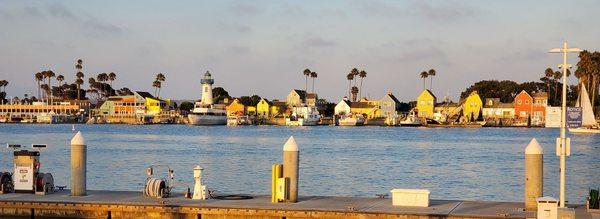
x: 156, y: 85
x: 424, y: 75
x: 548, y: 74
x: 3, y: 84
x: 50, y: 75
x: 313, y: 75
x: 160, y: 77
x: 306, y: 73
x: 431, y: 73
x: 354, y: 92
x: 362, y: 74
x: 354, y: 73
x: 60, y: 79
x: 38, y: 78
x: 111, y: 77
x: 350, y: 77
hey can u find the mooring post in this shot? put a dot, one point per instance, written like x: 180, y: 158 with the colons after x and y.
x: 291, y: 166
x: 534, y: 174
x: 78, y: 165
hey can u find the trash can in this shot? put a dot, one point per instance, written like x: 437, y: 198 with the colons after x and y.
x: 547, y: 208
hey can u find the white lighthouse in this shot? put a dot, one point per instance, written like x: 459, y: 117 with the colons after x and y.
x: 207, y: 82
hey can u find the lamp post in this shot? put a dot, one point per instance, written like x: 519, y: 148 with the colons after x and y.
x: 562, y: 141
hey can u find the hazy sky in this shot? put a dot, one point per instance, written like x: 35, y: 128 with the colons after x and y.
x: 262, y: 47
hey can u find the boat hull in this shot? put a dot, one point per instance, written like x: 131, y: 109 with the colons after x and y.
x: 584, y: 130
x: 301, y: 122
x: 351, y: 122
x: 207, y: 119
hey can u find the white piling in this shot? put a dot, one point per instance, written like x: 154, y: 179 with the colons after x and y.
x: 291, y: 161
x: 534, y: 174
x: 78, y: 165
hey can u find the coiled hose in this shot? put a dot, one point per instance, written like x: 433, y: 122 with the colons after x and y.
x: 155, y: 188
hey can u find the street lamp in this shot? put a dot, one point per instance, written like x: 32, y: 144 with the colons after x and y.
x: 562, y: 141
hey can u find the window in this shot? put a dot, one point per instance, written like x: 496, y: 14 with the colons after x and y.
x: 527, y: 102
x: 519, y: 102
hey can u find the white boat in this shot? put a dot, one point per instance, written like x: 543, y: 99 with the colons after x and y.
x: 204, y: 112
x: 303, y: 116
x: 412, y: 120
x: 353, y: 120
x: 207, y: 116
x: 588, y: 123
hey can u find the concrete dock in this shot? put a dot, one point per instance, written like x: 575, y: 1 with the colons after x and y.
x: 129, y: 204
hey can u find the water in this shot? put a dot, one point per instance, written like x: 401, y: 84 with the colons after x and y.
x: 472, y: 164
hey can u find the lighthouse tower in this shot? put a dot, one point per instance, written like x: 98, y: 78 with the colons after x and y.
x: 207, y: 82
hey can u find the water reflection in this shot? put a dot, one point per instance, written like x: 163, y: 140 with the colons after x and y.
x: 483, y: 164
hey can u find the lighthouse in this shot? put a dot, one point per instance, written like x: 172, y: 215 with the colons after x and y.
x: 207, y: 82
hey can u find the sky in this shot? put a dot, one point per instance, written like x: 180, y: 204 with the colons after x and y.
x: 262, y: 47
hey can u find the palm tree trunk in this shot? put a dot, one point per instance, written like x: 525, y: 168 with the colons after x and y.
x: 78, y: 88
x: 430, y: 82
x: 305, y: 83
x: 349, y: 88
x: 39, y: 93
x: 360, y: 90
x: 313, y: 82
x: 423, y: 83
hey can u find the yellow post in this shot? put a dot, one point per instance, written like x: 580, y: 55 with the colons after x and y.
x: 276, y: 173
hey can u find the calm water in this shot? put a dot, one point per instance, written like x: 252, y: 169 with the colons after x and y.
x: 479, y: 164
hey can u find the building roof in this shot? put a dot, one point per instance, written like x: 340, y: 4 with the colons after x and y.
x: 446, y: 104
x: 500, y: 105
x: 430, y: 93
x: 278, y: 103
x: 311, y: 96
x: 300, y: 93
x: 540, y: 95
x: 393, y: 98
x: 361, y: 105
x: 146, y: 95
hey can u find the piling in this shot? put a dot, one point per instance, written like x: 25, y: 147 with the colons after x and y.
x: 291, y: 166
x: 534, y: 174
x: 78, y: 165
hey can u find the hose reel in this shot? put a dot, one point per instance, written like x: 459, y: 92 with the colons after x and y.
x: 158, y: 187
x: 44, y: 183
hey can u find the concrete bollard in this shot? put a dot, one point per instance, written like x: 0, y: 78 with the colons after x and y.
x: 78, y: 165
x: 290, y: 167
x: 534, y: 174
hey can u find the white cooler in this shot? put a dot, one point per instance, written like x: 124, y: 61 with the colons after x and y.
x: 410, y: 197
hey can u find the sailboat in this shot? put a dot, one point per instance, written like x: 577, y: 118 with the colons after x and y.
x: 588, y: 123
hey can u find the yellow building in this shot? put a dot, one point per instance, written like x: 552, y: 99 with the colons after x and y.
x: 426, y: 103
x: 368, y: 108
x: 262, y: 108
x: 278, y: 109
x: 236, y: 108
x: 472, y: 105
x: 251, y: 110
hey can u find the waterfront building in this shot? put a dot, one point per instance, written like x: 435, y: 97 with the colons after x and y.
x: 493, y: 109
x: 251, y: 110
x: 342, y: 108
x: 311, y: 99
x: 368, y: 108
x: 389, y: 105
x: 523, y: 105
x: 296, y: 98
x: 540, y: 102
x: 445, y: 110
x: 262, y: 108
x: 57, y: 112
x: 278, y: 109
x: 140, y: 107
x: 472, y: 106
x: 426, y: 103
x: 236, y: 108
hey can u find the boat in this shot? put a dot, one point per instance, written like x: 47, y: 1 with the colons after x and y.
x: 238, y: 120
x: 412, y: 120
x: 588, y: 121
x: 352, y: 120
x: 303, y: 116
x: 204, y: 112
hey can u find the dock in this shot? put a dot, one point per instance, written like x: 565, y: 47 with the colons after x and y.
x: 131, y: 204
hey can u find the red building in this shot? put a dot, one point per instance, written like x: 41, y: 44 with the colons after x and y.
x: 523, y: 105
x: 534, y: 107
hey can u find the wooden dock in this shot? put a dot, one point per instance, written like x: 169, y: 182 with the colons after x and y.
x: 129, y: 204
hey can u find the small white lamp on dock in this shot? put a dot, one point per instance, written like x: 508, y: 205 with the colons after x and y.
x: 199, y: 188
